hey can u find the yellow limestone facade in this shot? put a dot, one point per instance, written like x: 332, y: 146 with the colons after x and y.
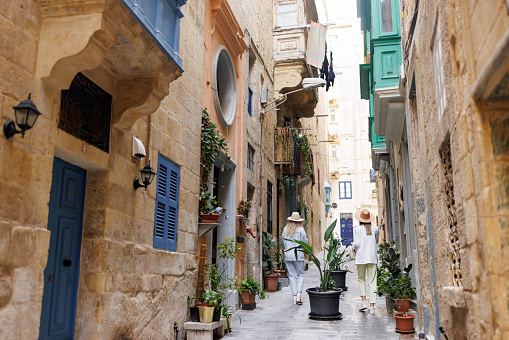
x: 126, y: 289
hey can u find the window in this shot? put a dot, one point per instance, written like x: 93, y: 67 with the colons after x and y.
x: 439, y: 74
x: 85, y: 112
x: 250, y: 157
x: 333, y: 115
x: 287, y: 14
x: 345, y: 190
x: 269, y: 207
x: 250, y: 102
x: 167, y: 205
x: 161, y: 19
x: 386, y: 9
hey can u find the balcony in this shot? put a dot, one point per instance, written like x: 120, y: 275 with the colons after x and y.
x: 135, y: 42
x: 288, y: 156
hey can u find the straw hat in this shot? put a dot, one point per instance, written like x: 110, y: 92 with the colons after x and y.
x: 365, y: 216
x: 295, y: 217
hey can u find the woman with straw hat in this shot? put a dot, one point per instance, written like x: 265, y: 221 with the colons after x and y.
x: 294, y: 230
x: 365, y: 240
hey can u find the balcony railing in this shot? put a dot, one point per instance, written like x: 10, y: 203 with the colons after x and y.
x: 287, y: 153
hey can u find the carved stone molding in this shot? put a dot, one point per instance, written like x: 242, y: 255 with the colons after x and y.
x: 228, y: 27
x: 84, y: 35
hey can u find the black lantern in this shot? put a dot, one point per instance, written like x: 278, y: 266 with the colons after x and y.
x: 147, y: 176
x: 26, y: 114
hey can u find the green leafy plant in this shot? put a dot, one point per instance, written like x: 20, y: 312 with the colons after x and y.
x: 302, y: 208
x: 389, y: 271
x: 338, y: 254
x: 210, y: 297
x: 217, y: 278
x: 212, y: 143
x: 402, y: 288
x: 227, y: 312
x: 330, y: 255
x: 269, y: 253
x: 252, y: 286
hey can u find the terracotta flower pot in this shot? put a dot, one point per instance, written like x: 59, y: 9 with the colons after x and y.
x: 209, y: 218
x: 246, y: 298
x: 404, y: 323
x: 282, y: 273
x: 402, y: 305
x: 272, y: 282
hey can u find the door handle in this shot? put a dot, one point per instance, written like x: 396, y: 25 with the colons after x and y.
x: 50, y: 278
x: 67, y: 263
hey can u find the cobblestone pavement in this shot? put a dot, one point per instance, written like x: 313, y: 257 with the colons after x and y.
x: 277, y: 318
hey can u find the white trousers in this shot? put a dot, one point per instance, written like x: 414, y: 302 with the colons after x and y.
x: 367, y: 274
x: 296, y: 275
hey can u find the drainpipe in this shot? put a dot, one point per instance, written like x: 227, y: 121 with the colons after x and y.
x: 260, y: 234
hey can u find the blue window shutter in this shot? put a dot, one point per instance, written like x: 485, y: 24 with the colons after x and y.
x: 167, y: 204
x: 250, y: 102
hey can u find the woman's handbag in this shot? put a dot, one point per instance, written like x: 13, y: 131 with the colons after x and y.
x: 353, y: 254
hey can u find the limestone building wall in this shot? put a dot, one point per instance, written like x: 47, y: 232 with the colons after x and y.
x: 459, y: 148
x: 126, y: 289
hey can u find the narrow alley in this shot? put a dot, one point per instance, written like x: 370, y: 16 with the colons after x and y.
x: 277, y: 318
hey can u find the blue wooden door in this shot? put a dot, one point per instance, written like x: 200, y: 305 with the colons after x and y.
x: 346, y: 223
x: 65, y: 222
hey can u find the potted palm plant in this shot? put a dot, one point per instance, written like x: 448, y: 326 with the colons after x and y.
x: 248, y: 289
x: 339, y: 257
x: 269, y: 263
x: 323, y: 299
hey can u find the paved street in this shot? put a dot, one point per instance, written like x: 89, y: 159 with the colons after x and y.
x: 277, y: 318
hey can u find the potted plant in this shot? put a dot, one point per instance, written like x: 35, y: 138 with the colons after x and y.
x: 280, y: 260
x: 227, y: 312
x: 243, y: 207
x: 212, y: 143
x: 268, y: 262
x: 338, y: 257
x: 207, y: 306
x: 403, y: 292
x: 248, y: 289
x: 194, y: 314
x: 324, y: 299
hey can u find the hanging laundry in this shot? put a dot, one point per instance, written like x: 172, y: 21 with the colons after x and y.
x: 324, y: 71
x: 316, y: 44
x: 330, y: 81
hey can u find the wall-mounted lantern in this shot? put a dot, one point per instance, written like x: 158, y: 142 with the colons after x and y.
x: 26, y: 114
x: 147, y: 175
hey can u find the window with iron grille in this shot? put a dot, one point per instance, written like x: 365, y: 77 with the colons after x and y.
x: 250, y: 157
x: 345, y: 190
x: 85, y: 112
x: 269, y: 207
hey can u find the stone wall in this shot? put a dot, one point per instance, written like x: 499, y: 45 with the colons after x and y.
x: 127, y: 289
x: 473, y: 37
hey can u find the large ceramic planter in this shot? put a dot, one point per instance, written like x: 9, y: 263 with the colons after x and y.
x: 272, y: 282
x: 247, y: 298
x: 206, y: 313
x: 404, y: 323
x: 339, y: 277
x: 402, y: 305
x: 324, y: 305
x: 209, y: 218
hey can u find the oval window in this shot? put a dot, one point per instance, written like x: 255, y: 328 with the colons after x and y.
x: 225, y: 86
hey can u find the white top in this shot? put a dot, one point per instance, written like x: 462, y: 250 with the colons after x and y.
x: 300, y: 235
x: 365, y: 245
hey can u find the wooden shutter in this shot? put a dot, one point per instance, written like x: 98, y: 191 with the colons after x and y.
x: 167, y: 204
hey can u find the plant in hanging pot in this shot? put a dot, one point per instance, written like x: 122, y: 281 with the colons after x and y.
x: 269, y: 252
x: 243, y: 207
x: 323, y: 299
x: 248, y: 289
x: 338, y: 257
